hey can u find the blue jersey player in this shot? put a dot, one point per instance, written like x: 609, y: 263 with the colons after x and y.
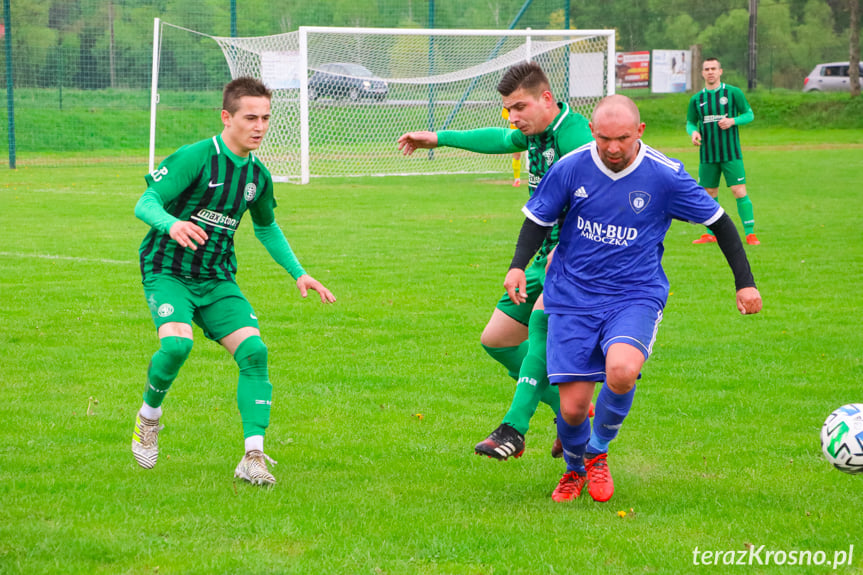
x: 606, y: 289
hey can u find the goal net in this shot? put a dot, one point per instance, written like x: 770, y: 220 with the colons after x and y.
x: 343, y: 96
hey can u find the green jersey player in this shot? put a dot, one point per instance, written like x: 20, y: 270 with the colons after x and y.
x: 194, y: 203
x: 712, y: 120
x: 515, y: 335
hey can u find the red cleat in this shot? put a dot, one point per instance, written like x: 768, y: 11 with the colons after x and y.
x: 516, y: 182
x: 569, y: 488
x: 600, y: 484
x: 752, y: 240
x: 705, y: 239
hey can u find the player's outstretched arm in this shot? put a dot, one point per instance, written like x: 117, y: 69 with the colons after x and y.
x: 412, y: 141
x: 307, y: 282
x: 480, y: 140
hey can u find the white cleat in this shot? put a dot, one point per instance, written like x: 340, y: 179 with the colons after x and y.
x: 145, y: 441
x: 253, y: 468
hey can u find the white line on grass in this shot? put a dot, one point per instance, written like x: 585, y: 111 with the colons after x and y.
x: 70, y: 258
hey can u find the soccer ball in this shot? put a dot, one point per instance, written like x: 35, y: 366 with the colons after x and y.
x: 842, y: 438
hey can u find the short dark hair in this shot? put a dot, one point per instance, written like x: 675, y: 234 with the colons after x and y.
x: 241, y: 87
x: 712, y: 59
x: 527, y: 75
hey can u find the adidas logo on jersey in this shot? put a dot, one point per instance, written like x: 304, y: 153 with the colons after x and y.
x: 580, y: 192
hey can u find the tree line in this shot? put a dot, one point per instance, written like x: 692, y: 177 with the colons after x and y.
x: 95, y: 44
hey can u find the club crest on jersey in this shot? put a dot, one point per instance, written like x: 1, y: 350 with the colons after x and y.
x: 638, y: 201
x: 250, y: 191
x: 723, y: 100
x: 549, y: 157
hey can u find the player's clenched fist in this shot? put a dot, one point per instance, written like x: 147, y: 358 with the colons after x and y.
x: 748, y: 301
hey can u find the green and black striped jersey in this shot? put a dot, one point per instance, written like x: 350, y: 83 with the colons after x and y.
x: 211, y: 186
x: 569, y: 131
x: 706, y: 108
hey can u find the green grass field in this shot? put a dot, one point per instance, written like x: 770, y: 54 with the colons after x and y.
x: 380, y: 398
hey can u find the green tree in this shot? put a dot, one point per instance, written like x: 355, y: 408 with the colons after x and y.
x: 727, y: 39
x: 677, y: 31
x: 32, y: 42
x: 776, y: 66
x: 815, y: 39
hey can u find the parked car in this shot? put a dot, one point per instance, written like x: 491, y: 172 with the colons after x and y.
x: 830, y: 77
x: 344, y: 80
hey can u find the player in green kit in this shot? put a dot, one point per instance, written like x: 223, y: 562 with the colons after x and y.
x: 515, y: 335
x: 712, y: 120
x: 194, y: 203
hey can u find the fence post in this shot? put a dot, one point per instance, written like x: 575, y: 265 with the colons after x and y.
x: 154, y: 90
x: 10, y: 84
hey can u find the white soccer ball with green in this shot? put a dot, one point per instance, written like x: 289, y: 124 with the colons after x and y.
x: 842, y: 438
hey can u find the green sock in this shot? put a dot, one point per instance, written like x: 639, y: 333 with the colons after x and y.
x: 747, y: 215
x: 164, y: 367
x: 254, y: 391
x: 509, y: 357
x: 533, y: 385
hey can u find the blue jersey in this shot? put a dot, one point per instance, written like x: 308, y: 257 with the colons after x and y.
x: 610, y: 248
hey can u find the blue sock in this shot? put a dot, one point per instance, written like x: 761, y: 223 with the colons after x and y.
x: 611, y: 409
x: 574, y: 439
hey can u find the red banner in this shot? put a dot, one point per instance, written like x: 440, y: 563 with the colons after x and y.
x: 633, y: 69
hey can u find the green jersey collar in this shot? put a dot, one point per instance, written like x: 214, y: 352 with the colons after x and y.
x: 558, y: 120
x: 221, y: 147
x: 719, y: 87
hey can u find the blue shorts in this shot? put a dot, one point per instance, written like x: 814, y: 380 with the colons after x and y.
x: 577, y: 344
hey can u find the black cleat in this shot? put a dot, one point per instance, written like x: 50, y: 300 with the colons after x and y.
x: 503, y: 443
x: 557, y: 448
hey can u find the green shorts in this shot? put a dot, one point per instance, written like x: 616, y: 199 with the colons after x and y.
x: 708, y: 174
x: 217, y: 306
x: 535, y: 275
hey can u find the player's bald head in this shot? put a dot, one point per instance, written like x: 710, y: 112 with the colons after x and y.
x: 616, y: 106
x: 617, y: 128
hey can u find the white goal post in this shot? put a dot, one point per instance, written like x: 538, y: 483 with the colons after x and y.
x: 342, y: 96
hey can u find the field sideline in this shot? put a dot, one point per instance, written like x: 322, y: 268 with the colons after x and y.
x: 379, y: 399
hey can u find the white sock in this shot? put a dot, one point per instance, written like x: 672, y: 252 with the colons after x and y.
x: 255, y: 443
x: 152, y: 413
